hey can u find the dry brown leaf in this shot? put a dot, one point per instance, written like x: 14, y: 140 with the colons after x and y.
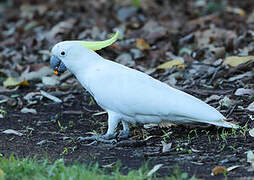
x: 62, y: 27
x: 236, y: 60
x: 172, y: 63
x: 206, y: 37
x: 219, y: 170
x: 142, y: 44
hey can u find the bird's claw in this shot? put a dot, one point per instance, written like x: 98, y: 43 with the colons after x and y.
x: 107, y: 138
x: 123, y: 134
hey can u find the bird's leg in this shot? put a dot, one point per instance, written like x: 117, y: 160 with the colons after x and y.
x: 113, y: 120
x: 125, y: 133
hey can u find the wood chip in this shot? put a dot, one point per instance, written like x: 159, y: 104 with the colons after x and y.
x: 12, y: 132
x: 166, y: 147
x: 28, y: 110
x: 51, y: 97
x: 155, y: 168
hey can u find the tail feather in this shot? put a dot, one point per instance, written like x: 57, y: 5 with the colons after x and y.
x: 223, y: 123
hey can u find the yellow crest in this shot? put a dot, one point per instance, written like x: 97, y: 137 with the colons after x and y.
x: 97, y: 45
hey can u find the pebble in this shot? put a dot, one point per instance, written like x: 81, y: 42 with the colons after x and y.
x: 136, y: 53
x: 126, y: 12
x: 125, y: 59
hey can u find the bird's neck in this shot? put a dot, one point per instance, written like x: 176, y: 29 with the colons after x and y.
x: 86, y: 71
x: 87, y: 62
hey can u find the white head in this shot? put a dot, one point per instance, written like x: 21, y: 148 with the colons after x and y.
x: 71, y: 55
x: 77, y: 55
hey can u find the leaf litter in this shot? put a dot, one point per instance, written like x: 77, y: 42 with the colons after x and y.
x: 203, y: 48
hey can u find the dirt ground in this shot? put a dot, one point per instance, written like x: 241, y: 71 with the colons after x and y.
x: 29, y: 29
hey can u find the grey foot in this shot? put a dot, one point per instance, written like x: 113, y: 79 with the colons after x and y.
x: 123, y: 134
x: 107, y: 138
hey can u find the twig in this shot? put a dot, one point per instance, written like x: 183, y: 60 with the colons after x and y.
x: 231, y: 111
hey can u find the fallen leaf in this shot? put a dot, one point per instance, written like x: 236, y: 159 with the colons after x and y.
x: 173, y: 63
x: 250, y: 159
x: 62, y: 27
x: 155, y: 168
x: 205, y: 38
x: 153, y: 31
x: 213, y: 98
x: 218, y: 52
x: 240, y: 76
x: 219, y: 170
x: 12, y: 82
x: 50, y: 81
x: 227, y: 102
x: 251, y: 107
x: 38, y: 74
x: 242, y: 91
x: 142, y: 44
x: 236, y: 60
x: 27, y: 110
x: 251, y: 132
x: 13, y: 132
x: 166, y: 147
x: 32, y: 97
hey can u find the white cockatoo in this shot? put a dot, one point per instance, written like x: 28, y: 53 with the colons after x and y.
x: 129, y: 95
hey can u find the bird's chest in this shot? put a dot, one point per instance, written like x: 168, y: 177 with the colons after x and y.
x: 101, y: 88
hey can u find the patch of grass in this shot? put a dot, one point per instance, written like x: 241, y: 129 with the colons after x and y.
x: 3, y: 112
x: 13, y: 168
x: 62, y: 128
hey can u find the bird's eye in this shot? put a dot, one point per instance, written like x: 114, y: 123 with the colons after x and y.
x: 62, y: 53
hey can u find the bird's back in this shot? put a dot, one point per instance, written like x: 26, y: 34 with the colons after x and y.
x: 133, y: 93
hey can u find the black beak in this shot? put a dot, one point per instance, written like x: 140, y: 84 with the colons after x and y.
x: 57, y: 65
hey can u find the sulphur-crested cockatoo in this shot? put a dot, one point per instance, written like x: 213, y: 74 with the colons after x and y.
x: 126, y: 94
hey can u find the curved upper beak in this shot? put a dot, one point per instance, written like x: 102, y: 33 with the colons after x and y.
x: 57, y: 65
